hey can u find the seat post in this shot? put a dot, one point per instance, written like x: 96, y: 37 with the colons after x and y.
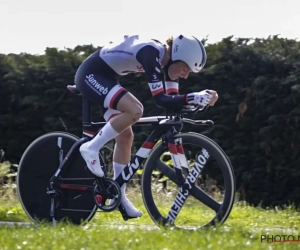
x: 86, y: 111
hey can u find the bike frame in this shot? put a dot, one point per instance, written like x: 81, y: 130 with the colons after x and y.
x: 164, y: 127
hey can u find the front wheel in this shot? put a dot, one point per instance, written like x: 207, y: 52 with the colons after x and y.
x: 211, y: 197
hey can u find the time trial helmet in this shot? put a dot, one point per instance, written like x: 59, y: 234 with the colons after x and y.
x: 189, y: 50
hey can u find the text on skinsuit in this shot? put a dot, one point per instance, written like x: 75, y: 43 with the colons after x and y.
x: 190, y: 180
x: 91, y: 80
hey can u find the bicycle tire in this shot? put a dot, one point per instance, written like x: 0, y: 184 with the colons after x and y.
x: 216, y: 151
x: 38, y: 164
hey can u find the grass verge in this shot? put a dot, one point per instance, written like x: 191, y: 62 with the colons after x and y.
x: 245, y: 228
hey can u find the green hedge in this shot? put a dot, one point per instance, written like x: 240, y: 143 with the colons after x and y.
x: 256, y: 117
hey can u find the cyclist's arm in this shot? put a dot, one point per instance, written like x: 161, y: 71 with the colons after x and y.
x: 148, y: 57
x: 171, y: 86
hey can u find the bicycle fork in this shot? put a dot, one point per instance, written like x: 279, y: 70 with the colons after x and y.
x: 188, y: 182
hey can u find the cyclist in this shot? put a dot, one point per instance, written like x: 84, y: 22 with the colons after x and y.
x: 163, y: 64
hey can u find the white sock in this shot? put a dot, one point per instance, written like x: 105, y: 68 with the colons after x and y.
x: 106, y: 134
x: 118, y: 168
x: 129, y: 207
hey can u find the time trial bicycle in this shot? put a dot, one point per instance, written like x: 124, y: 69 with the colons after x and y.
x: 54, y: 184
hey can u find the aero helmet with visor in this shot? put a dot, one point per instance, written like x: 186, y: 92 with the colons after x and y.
x: 189, y: 50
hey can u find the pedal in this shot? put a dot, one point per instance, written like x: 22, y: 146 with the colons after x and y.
x: 124, y: 213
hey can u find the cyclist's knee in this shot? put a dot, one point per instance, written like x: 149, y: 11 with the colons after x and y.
x: 130, y: 105
x: 136, y: 112
x: 125, y: 138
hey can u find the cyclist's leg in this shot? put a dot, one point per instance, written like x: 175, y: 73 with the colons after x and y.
x: 122, y: 150
x: 101, y: 91
x: 121, y: 157
x: 121, y: 109
x: 130, y: 111
x: 123, y: 145
x: 110, y: 95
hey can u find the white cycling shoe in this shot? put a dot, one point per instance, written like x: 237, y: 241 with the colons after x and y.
x: 130, y: 208
x: 92, y: 160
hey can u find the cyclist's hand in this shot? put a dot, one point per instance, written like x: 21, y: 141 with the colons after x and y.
x: 214, y: 97
x: 202, y: 98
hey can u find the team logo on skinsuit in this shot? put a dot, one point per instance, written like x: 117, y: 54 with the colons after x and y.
x: 156, y: 86
x: 92, y: 81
